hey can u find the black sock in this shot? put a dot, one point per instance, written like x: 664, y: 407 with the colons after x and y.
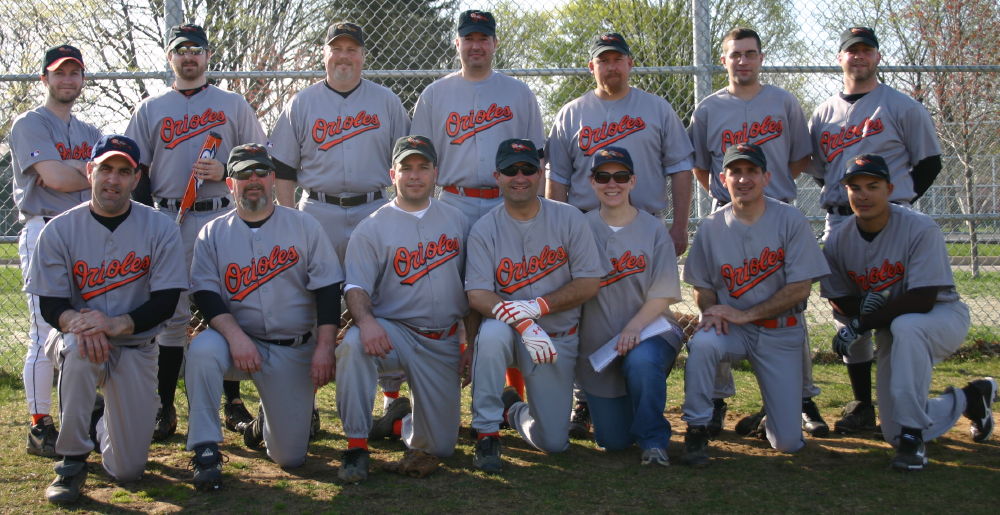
x: 912, y: 432
x: 169, y: 362
x: 78, y: 457
x: 718, y: 403
x: 861, y: 381
x: 231, y: 389
x: 973, y: 405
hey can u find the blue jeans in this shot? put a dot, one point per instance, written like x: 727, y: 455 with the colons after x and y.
x: 638, y: 416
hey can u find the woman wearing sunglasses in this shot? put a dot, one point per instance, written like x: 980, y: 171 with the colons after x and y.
x: 627, y: 398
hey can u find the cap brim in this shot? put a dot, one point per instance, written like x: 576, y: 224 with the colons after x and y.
x: 601, y: 49
x: 239, y: 166
x: 756, y: 162
x: 876, y: 175
x: 469, y: 29
x: 356, y: 40
x: 59, y: 62
x: 520, y: 158
x: 182, y: 39
x: 111, y: 153
x: 606, y: 161
x: 398, y: 158
x: 858, y: 39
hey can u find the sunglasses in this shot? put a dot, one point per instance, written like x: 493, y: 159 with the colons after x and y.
x: 621, y: 177
x: 526, y: 171
x: 189, y: 50
x: 245, y: 174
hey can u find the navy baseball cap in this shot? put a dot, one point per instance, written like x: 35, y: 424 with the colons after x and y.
x: 517, y: 151
x: 185, y: 33
x: 748, y: 151
x: 867, y: 164
x: 854, y: 35
x: 612, y: 155
x: 57, y: 55
x: 609, y: 41
x: 116, y: 145
x: 345, y: 28
x: 476, y: 21
x: 410, y: 145
x: 248, y: 156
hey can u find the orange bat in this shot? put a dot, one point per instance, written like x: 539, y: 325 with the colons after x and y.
x: 208, y: 150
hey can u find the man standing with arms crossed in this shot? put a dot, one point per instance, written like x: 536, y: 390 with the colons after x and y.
x: 615, y: 113
x: 868, y: 117
x: 170, y: 129
x: 747, y: 111
x: 49, y: 150
x: 532, y: 263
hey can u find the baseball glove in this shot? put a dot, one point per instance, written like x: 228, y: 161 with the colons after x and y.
x: 846, y: 337
x: 415, y: 463
x: 537, y: 341
x: 874, y: 301
x: 513, y: 311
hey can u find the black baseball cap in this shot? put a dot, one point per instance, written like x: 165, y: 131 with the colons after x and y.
x: 476, y: 21
x: 748, y: 151
x: 115, y: 145
x: 187, y: 32
x: 867, y: 164
x: 612, y: 155
x: 57, y: 55
x: 248, y: 156
x: 609, y: 41
x: 409, y: 145
x: 345, y: 28
x: 517, y: 151
x: 854, y: 35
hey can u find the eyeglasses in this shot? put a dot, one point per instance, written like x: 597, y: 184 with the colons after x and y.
x: 526, y: 171
x: 189, y: 50
x: 244, y: 175
x: 621, y: 177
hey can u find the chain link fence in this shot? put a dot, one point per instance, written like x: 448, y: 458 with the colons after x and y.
x: 941, y: 52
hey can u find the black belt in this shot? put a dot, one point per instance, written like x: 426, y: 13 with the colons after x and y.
x: 289, y: 342
x: 346, y: 200
x: 210, y: 204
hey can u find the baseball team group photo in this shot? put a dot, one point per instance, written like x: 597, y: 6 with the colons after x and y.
x: 476, y: 299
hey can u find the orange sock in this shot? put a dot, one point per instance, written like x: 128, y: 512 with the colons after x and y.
x: 397, y: 427
x: 37, y: 417
x: 484, y: 435
x: 357, y: 443
x: 515, y: 379
x: 391, y: 395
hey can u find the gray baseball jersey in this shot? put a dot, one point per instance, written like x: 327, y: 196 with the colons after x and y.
x: 908, y: 253
x: 773, y: 120
x: 264, y: 275
x: 641, y: 265
x: 884, y: 122
x: 411, y: 267
x: 340, y: 145
x: 39, y: 135
x: 171, y: 127
x: 746, y: 264
x: 524, y: 260
x: 112, y: 272
x: 468, y: 120
x: 642, y: 123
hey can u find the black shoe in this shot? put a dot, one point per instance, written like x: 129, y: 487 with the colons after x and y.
x: 760, y: 432
x: 207, y: 465
x: 253, y: 433
x: 857, y: 417
x: 812, y: 421
x: 487, y: 457
x: 715, y: 425
x: 166, y: 423
x: 354, y: 465
x: 508, y: 397
x: 95, y: 417
x: 70, y: 476
x: 980, y: 410
x: 748, y: 424
x: 236, y: 414
x: 911, y: 454
x: 695, y: 447
x: 382, y: 426
x: 42, y: 438
x: 579, y: 422
x: 314, y: 425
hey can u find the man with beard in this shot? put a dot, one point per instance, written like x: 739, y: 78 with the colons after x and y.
x: 49, y: 152
x: 107, y: 274
x: 170, y: 129
x: 270, y: 292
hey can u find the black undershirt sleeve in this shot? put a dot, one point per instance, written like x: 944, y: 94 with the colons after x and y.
x: 143, y: 192
x: 924, y: 174
x: 328, y: 304
x: 210, y: 304
x: 917, y: 300
x: 158, y: 308
x: 52, y: 308
x: 284, y: 171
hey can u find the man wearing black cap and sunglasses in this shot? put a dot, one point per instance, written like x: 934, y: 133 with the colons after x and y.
x: 49, y: 150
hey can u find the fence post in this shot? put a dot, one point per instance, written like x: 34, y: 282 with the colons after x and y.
x: 702, y: 42
x: 173, y: 14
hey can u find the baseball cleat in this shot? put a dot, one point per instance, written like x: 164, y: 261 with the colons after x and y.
x: 253, y: 433
x: 718, y: 421
x: 487, y: 457
x: 980, y: 410
x: 812, y: 421
x: 748, y: 424
x: 235, y: 414
x: 166, y: 423
x: 42, y: 438
x: 857, y: 417
x: 695, y: 447
x: 207, y: 465
x: 70, y: 476
x: 655, y: 455
x: 760, y: 432
x: 910, y: 455
x: 579, y: 422
x: 509, y: 397
x: 314, y: 425
x: 382, y: 426
x: 354, y: 465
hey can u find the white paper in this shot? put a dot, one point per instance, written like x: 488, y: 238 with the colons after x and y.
x: 602, y: 357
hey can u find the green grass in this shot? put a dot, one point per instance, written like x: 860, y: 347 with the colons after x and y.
x: 965, y: 249
x: 8, y: 251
